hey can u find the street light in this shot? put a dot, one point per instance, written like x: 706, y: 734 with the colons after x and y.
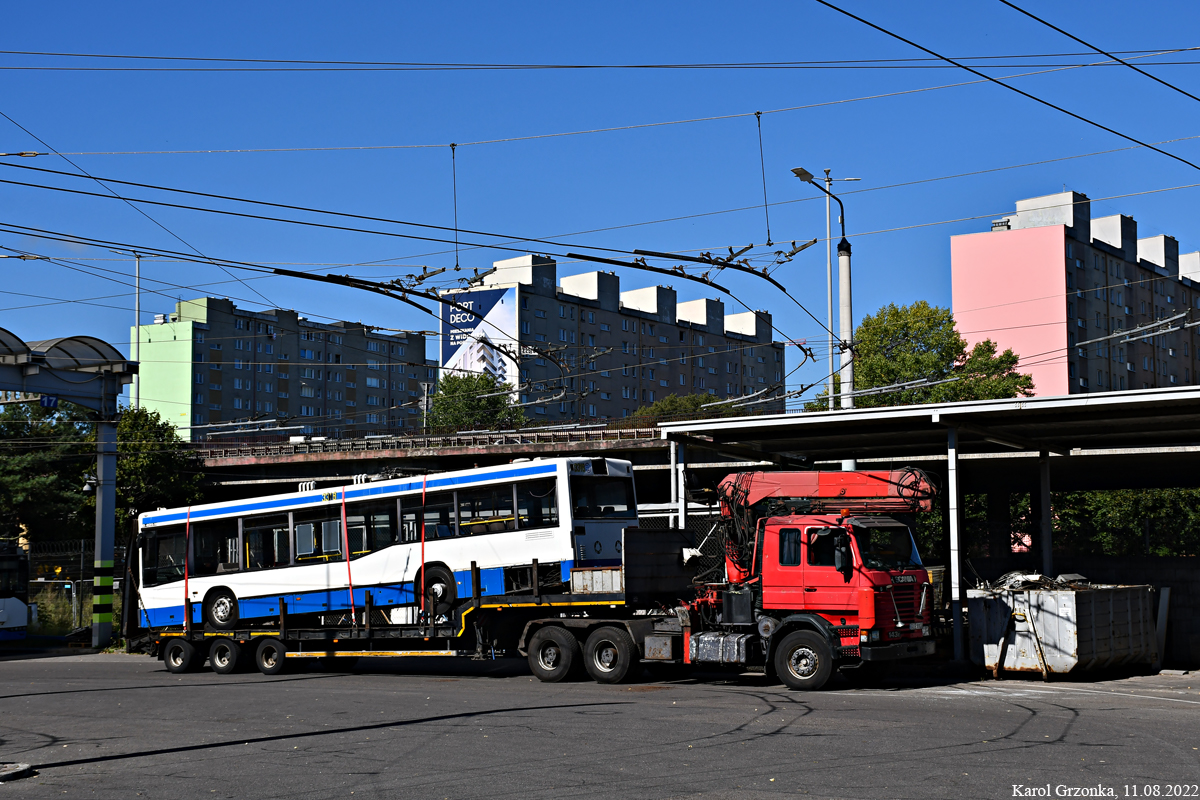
x: 846, y: 316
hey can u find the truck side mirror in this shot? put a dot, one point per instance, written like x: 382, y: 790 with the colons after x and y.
x: 843, y: 559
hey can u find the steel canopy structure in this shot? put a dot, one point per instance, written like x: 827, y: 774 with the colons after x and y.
x: 88, y: 372
x: 1136, y: 439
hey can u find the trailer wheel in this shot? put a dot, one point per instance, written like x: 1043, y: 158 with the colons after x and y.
x: 221, y: 609
x: 609, y: 654
x: 180, y: 656
x: 224, y: 655
x: 270, y: 656
x: 554, y: 654
x: 804, y: 661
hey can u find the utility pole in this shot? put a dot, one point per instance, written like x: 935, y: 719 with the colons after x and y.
x: 829, y: 288
x: 137, y: 326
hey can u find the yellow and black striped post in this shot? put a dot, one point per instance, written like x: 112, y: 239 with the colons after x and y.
x: 106, y: 523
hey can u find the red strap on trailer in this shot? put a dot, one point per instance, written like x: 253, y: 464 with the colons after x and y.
x: 187, y: 551
x: 349, y: 577
x: 424, y: 481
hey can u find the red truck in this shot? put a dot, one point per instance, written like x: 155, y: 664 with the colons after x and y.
x: 818, y: 568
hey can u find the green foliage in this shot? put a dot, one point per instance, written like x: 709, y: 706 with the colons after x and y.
x: 1128, y: 522
x: 459, y: 404
x: 154, y: 467
x: 44, y: 455
x: 919, y: 341
x: 683, y: 406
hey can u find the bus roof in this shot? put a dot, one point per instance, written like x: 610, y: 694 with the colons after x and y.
x: 438, y: 481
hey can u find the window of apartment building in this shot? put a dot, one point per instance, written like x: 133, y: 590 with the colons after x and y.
x: 1098, y: 322
x: 539, y: 313
x: 625, y: 392
x: 200, y: 399
x: 624, y: 347
x: 1071, y: 369
x: 647, y: 372
x: 683, y: 380
x: 214, y: 346
x: 309, y: 372
x: 1070, y: 281
x: 1070, y: 310
x: 374, y: 400
x: 539, y: 337
x: 308, y: 391
x: 237, y: 363
x: 199, y: 338
x: 591, y: 318
x: 1099, y: 291
x: 200, y: 377
x: 239, y: 324
x: 372, y: 364
x: 562, y: 311
x: 624, y: 324
x: 591, y: 340
x: 663, y: 339
x: 604, y: 326
x: 375, y: 347
x: 525, y: 329
x: 375, y: 383
x: 306, y: 353
x: 605, y: 396
x: 650, y: 352
x: 562, y: 334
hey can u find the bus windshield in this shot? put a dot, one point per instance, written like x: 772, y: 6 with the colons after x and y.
x: 887, y: 547
x: 602, y: 498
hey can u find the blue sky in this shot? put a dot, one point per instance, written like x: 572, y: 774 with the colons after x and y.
x: 554, y: 186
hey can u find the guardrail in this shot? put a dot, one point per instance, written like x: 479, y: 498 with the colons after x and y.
x: 428, y: 442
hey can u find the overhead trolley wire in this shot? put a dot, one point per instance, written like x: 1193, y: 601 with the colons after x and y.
x: 1098, y: 50
x: 1010, y: 87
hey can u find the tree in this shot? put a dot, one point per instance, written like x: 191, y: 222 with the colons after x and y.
x: 44, y: 455
x: 474, y: 402
x: 907, y: 343
x: 683, y: 406
x: 154, y: 467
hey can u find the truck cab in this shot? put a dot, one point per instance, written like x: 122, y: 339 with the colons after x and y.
x: 861, y: 571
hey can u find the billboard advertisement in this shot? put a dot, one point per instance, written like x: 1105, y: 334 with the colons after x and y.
x: 482, y: 336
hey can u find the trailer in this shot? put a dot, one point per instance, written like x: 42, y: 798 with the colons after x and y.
x: 806, y: 590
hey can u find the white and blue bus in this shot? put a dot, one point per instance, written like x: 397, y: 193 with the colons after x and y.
x: 14, y: 592
x: 411, y: 543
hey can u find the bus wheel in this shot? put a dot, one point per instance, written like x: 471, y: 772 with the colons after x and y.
x: 437, y: 584
x: 553, y: 654
x: 179, y: 656
x: 270, y: 656
x: 609, y: 654
x: 221, y: 609
x: 223, y: 656
x: 804, y: 661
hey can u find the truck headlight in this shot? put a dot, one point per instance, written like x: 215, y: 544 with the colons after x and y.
x: 874, y: 636
x: 862, y: 637
x: 924, y: 630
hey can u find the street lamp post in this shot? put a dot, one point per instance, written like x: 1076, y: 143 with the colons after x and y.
x: 829, y: 281
x: 845, y: 306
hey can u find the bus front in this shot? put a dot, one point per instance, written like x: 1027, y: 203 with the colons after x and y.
x: 603, y: 505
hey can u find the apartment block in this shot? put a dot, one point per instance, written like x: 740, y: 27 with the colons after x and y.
x: 211, y: 362
x: 1069, y: 293
x: 581, y: 348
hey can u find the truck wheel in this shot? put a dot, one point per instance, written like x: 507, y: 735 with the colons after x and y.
x: 223, y: 656
x: 180, y: 656
x: 269, y: 657
x: 553, y: 654
x: 804, y: 661
x: 609, y: 654
x: 221, y: 609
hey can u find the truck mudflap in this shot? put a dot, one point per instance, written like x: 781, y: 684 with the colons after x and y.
x: 899, y: 650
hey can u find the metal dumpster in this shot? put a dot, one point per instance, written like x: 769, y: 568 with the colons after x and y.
x: 1060, y: 626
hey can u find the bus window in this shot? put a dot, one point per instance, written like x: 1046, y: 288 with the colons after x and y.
x: 319, y: 534
x: 410, y: 521
x: 486, y: 510
x: 371, y: 527
x: 439, y: 515
x: 215, y: 547
x: 537, y: 506
x: 602, y: 498
x: 162, y: 555
x: 266, y: 541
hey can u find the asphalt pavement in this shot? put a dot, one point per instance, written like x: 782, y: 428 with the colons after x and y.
x: 122, y: 726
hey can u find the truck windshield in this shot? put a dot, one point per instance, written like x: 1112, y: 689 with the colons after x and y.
x: 887, y: 547
x: 602, y: 498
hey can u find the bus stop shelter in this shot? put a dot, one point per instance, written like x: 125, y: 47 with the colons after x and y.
x: 1148, y: 438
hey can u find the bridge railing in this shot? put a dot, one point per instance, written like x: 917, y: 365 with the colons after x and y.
x: 425, y: 442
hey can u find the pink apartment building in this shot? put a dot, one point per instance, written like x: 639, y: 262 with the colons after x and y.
x: 1049, y: 280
